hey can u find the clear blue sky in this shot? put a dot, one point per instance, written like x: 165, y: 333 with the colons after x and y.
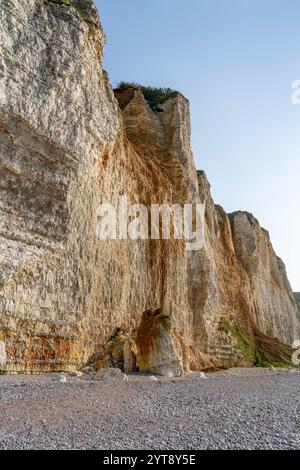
x: 235, y: 61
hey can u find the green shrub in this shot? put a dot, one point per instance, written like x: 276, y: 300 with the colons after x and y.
x: 244, y: 343
x: 154, y: 96
x: 243, y: 340
x: 260, y: 360
x: 224, y: 325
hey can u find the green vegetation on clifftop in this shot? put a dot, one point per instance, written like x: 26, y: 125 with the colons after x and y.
x: 154, y: 96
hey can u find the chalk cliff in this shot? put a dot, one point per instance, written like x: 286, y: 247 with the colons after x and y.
x: 69, y: 143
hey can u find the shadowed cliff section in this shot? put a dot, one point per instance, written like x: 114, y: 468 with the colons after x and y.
x: 68, y: 145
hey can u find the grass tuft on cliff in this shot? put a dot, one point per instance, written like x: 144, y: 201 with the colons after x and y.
x: 243, y: 339
x: 154, y: 96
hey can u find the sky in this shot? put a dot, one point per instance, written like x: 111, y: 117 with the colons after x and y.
x: 235, y: 60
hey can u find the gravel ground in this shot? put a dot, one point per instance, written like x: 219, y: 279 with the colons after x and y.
x: 239, y: 409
